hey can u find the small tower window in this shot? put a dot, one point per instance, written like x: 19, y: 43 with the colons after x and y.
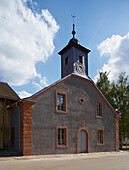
x: 80, y: 59
x: 66, y: 60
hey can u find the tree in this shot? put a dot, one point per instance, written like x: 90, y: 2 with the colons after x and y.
x: 118, y: 96
x: 103, y: 84
x: 122, y: 100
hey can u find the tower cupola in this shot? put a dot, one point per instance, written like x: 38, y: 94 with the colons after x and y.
x: 74, y: 58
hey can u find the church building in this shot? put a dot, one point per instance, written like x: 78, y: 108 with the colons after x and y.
x: 69, y: 116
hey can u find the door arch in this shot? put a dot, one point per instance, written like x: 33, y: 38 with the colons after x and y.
x: 83, y: 133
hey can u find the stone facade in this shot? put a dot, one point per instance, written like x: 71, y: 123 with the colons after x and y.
x: 45, y: 119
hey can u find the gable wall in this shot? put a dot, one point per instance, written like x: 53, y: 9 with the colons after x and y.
x: 45, y: 119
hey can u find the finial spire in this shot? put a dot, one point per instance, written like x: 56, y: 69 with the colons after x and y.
x: 73, y: 32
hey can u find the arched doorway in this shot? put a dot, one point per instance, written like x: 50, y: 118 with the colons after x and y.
x: 82, y: 141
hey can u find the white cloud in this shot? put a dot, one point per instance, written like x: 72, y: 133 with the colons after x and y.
x: 117, y: 50
x: 41, y: 83
x: 37, y: 85
x: 25, y: 39
x: 24, y: 94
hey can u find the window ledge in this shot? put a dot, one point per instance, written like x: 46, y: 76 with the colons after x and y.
x: 99, y: 116
x: 100, y: 144
x: 58, y: 146
x: 61, y: 111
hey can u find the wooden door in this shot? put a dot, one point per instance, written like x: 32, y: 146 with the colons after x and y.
x: 82, y: 141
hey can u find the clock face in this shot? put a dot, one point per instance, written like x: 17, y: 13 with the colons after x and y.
x: 80, y: 69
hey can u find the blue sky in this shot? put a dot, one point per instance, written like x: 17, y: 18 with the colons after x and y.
x: 33, y: 39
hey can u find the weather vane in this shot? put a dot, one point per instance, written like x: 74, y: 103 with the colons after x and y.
x: 73, y: 17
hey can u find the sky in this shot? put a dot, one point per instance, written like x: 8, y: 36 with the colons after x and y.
x: 32, y: 32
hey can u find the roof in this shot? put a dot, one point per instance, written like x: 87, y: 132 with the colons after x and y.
x: 87, y: 79
x: 7, y: 92
x: 73, y: 43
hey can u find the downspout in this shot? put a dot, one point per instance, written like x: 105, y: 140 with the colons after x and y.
x: 19, y: 124
x: 3, y: 119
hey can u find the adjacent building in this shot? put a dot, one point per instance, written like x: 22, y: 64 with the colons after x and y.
x: 7, y: 97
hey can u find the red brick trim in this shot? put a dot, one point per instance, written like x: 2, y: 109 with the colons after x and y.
x: 102, y: 137
x: 87, y: 138
x: 117, y: 133
x: 26, y: 127
x: 66, y: 137
x: 101, y: 109
x: 65, y: 94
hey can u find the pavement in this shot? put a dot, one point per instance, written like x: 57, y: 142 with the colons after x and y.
x: 87, y: 161
x: 65, y: 156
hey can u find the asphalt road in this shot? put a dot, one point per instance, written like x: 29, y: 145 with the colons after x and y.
x: 93, y: 162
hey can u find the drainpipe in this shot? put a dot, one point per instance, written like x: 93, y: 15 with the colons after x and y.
x: 3, y: 119
x: 19, y: 124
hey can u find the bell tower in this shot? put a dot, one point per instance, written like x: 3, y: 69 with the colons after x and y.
x: 74, y: 58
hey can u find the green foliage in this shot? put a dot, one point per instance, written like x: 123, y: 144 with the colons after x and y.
x: 117, y: 93
x: 104, y: 84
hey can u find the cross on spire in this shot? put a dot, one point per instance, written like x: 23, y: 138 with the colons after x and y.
x: 73, y: 16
